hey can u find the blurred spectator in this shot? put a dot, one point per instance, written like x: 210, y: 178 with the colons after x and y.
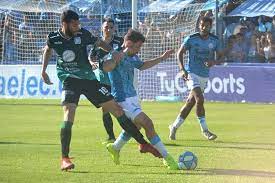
x: 11, y: 49
x: 269, y: 48
x: 229, y: 47
x: 42, y: 5
x: 25, y: 39
x: 235, y: 51
x: 253, y: 54
x: 273, y: 28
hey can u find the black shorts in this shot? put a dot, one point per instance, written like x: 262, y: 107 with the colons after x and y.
x: 94, y: 91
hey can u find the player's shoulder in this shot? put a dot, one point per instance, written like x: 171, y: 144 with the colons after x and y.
x: 213, y: 36
x: 83, y: 31
x: 54, y: 35
x: 194, y: 35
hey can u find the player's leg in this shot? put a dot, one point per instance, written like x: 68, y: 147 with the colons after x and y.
x: 145, y: 122
x: 66, y: 134
x: 112, y: 107
x: 132, y: 109
x: 70, y: 98
x: 200, y: 112
x: 100, y: 96
x: 192, y: 82
x: 184, y: 112
x: 108, y: 125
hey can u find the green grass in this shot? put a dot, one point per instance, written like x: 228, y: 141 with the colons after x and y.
x: 30, y: 150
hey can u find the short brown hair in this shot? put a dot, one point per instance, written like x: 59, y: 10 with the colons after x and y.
x: 69, y: 15
x: 134, y: 36
x: 206, y: 19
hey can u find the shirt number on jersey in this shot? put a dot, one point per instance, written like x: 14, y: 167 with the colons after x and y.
x: 104, y: 91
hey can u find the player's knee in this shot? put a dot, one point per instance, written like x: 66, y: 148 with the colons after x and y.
x: 69, y: 108
x: 69, y: 111
x: 139, y: 126
x: 190, y: 102
x: 118, y: 111
x: 200, y: 101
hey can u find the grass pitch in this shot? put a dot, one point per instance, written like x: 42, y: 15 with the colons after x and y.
x: 30, y: 150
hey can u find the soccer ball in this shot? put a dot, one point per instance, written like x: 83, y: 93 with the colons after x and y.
x: 187, y: 161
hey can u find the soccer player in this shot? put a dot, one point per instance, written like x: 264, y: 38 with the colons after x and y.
x: 73, y: 69
x: 96, y: 55
x: 124, y: 92
x: 201, y: 47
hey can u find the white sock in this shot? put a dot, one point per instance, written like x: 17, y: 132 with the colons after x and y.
x: 178, y: 122
x: 122, y: 139
x: 157, y: 143
x: 203, y: 123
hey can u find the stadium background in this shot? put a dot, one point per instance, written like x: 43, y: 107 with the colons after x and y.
x: 30, y: 118
x: 25, y: 25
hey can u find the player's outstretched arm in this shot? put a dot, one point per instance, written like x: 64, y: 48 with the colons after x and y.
x: 45, y: 61
x: 150, y: 63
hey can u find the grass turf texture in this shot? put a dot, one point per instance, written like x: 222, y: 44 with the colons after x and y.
x: 30, y: 150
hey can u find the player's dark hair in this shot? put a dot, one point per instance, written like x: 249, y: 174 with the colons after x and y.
x: 206, y: 19
x: 108, y: 20
x: 69, y: 15
x: 134, y: 35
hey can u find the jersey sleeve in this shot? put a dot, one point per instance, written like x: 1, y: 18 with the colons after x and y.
x: 89, y: 38
x: 186, y: 42
x: 50, y: 42
x: 137, y: 62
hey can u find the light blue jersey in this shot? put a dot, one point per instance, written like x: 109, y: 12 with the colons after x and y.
x: 122, y: 78
x: 200, y: 51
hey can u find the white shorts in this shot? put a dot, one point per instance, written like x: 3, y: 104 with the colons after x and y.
x: 195, y: 81
x: 131, y: 107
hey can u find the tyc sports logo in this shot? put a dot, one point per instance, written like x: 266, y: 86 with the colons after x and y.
x: 228, y: 84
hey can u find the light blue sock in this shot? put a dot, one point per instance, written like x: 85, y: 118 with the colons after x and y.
x: 157, y: 143
x: 203, y: 123
x: 122, y: 139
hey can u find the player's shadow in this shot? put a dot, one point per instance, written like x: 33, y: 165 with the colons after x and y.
x: 226, y: 142
x: 231, y: 147
x: 233, y: 172
x: 226, y: 145
x: 172, y: 145
x: 25, y: 143
x: 198, y: 171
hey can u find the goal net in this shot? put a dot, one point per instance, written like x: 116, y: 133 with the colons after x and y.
x: 165, y: 25
x: 25, y: 25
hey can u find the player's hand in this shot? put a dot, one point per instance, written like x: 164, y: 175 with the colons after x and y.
x: 167, y: 54
x: 118, y: 56
x: 94, y: 65
x: 46, y: 78
x: 184, y: 75
x: 209, y: 63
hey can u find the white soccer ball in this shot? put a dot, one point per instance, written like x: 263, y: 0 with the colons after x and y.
x: 187, y: 161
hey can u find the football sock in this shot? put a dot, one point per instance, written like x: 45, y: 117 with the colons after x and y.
x: 157, y: 143
x: 178, y: 122
x: 131, y: 129
x: 122, y: 139
x: 65, y: 137
x: 203, y: 123
x: 108, y: 124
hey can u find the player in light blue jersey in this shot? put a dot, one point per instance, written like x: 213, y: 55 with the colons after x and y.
x: 202, y: 47
x: 123, y: 90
